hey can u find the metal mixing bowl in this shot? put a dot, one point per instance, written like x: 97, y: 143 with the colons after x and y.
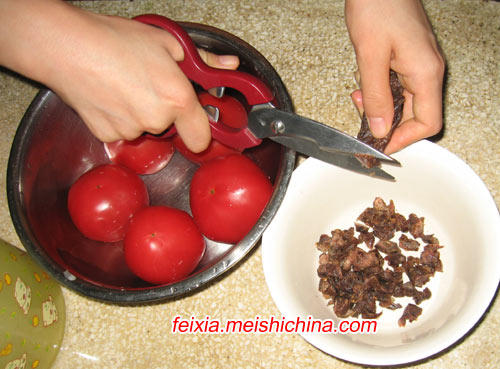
x: 53, y: 147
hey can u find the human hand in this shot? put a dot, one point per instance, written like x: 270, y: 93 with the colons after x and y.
x: 396, y: 34
x: 137, y: 85
x: 121, y: 76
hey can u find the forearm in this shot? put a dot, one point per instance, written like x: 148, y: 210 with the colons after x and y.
x: 119, y: 75
x: 33, y: 33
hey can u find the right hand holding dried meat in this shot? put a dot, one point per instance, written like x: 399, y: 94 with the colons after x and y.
x: 396, y: 34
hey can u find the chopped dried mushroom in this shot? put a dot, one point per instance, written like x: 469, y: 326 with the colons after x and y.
x: 408, y: 244
x: 355, y: 280
x: 411, y: 313
x: 388, y: 247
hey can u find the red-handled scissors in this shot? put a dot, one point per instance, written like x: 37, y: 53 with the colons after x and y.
x: 264, y: 120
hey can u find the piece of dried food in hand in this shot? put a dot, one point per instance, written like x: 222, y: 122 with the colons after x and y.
x: 365, y: 134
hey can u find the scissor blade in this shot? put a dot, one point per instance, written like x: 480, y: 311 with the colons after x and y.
x: 346, y: 161
x: 315, y: 139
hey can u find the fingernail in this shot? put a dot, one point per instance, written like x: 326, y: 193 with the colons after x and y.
x: 377, y: 126
x: 228, y: 60
x: 356, y: 97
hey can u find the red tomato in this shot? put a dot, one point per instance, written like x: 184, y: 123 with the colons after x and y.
x: 227, y: 197
x: 214, y: 150
x: 231, y: 113
x: 102, y: 201
x: 144, y: 155
x: 163, y: 244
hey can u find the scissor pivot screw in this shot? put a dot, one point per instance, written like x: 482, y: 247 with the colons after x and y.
x: 278, y: 127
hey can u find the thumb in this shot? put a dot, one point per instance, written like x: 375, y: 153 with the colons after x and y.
x: 377, y: 97
x: 219, y: 61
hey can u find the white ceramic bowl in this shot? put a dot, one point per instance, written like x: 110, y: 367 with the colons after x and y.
x: 432, y: 183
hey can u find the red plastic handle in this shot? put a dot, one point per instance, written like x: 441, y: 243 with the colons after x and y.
x: 233, y: 137
x: 254, y: 90
x: 237, y: 138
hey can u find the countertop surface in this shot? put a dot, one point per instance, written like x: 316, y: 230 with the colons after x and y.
x: 308, y: 44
